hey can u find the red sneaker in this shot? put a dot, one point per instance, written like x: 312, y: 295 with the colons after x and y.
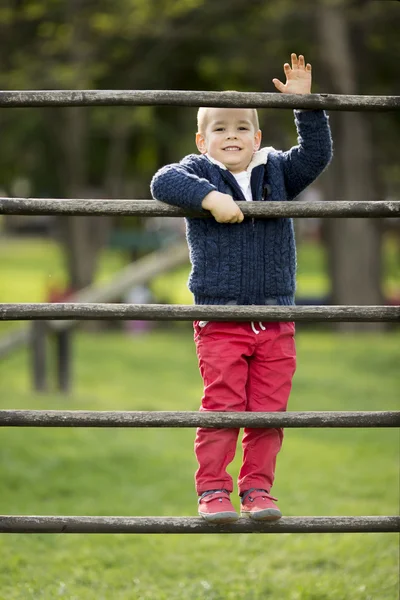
x: 215, y: 507
x: 259, y: 505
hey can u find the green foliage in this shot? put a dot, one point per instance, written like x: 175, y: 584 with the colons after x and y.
x: 167, y: 44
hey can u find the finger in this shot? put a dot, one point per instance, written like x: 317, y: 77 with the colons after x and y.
x: 278, y: 84
x: 301, y: 62
x: 241, y: 217
x: 308, y: 67
x: 286, y: 68
x: 294, y: 60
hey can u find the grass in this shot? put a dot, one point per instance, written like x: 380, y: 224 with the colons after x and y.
x: 31, y: 267
x: 150, y: 472
x: 312, y: 275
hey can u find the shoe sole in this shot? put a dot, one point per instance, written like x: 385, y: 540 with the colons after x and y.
x: 223, y: 517
x: 269, y: 514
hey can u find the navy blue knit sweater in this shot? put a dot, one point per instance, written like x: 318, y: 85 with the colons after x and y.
x: 252, y: 262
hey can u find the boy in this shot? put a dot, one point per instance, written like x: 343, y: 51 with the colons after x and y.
x: 244, y: 366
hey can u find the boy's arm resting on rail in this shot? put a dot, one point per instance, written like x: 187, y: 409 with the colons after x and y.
x: 181, y: 184
x: 303, y: 163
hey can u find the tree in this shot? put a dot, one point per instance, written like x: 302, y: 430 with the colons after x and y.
x: 191, y: 44
x: 354, y: 244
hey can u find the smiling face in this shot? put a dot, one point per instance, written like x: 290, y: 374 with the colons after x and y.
x: 229, y: 135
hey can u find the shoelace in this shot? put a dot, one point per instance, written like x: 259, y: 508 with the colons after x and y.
x: 212, y: 492
x: 264, y: 493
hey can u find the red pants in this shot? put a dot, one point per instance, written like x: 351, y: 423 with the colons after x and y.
x: 245, y: 367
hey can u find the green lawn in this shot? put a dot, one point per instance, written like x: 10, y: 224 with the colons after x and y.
x: 312, y: 274
x: 29, y: 268
x: 150, y: 472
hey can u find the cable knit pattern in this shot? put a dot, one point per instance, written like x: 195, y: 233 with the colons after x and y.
x: 254, y: 261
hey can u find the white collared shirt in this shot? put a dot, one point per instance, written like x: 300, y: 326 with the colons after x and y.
x: 243, y: 178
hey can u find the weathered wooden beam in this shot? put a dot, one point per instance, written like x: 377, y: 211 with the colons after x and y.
x: 153, y: 208
x: 32, y: 98
x: 182, y: 312
x: 140, y: 271
x: 220, y: 420
x: 61, y: 524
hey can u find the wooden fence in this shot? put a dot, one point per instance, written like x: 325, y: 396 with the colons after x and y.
x: 60, y: 312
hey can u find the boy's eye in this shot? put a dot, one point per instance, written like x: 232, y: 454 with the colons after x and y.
x: 219, y: 129
x: 243, y: 128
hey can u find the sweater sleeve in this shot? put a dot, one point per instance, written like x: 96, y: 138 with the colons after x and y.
x: 182, y: 184
x: 303, y: 163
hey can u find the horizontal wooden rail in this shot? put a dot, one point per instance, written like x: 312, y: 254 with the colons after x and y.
x: 32, y: 98
x: 138, y: 272
x: 153, y: 208
x: 50, y: 524
x: 220, y: 420
x: 183, y: 312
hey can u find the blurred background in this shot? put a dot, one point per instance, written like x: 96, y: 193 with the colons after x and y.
x: 106, y: 152
x: 113, y: 152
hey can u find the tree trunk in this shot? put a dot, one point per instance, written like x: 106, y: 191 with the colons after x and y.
x: 354, y: 245
x: 82, y: 237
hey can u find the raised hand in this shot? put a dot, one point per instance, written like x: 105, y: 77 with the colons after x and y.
x: 298, y: 77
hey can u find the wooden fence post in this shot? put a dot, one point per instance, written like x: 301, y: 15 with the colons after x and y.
x: 63, y: 351
x: 39, y: 355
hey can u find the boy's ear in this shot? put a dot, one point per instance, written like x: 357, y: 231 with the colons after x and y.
x: 257, y: 140
x: 201, y: 143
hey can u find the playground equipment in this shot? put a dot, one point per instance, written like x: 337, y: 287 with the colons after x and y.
x: 139, y: 272
x: 57, y: 313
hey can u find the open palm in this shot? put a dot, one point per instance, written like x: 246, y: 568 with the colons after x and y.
x: 298, y: 77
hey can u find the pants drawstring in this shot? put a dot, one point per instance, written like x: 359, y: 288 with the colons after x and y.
x: 261, y: 326
x: 254, y: 327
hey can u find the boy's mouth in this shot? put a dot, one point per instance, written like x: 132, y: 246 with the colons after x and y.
x: 232, y: 149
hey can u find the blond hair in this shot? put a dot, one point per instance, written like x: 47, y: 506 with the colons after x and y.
x: 202, y: 118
